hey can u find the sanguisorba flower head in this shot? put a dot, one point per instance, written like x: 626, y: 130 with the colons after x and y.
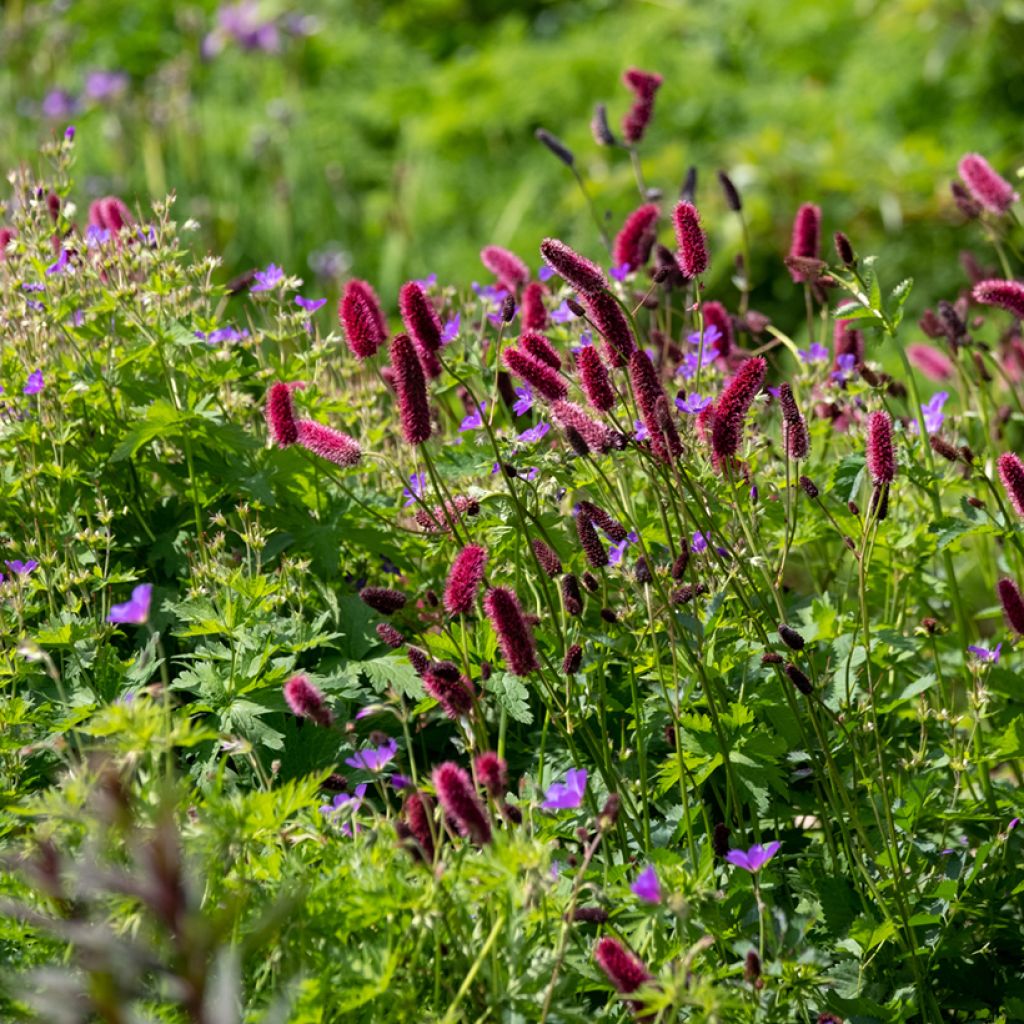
x: 994, y: 192
x: 625, y: 971
x: 383, y: 599
x: 732, y: 407
x: 644, y: 85
x: 1013, y: 604
x: 607, y: 316
x: 419, y: 316
x: 881, y: 453
x: 281, y: 415
x: 411, y: 388
x: 329, y: 443
x: 464, y: 579
x: 512, y: 273
x: 692, y: 254
x: 805, y: 243
x: 717, y: 316
x: 573, y: 268
x: 514, y: 634
x: 110, y: 213
x: 1011, y: 472
x: 632, y: 247
x: 418, y: 810
x: 460, y: 803
x: 1008, y: 295
x: 492, y: 771
x: 594, y: 379
x: 534, y: 314
x: 847, y: 341
x: 362, y: 319
x: 651, y: 401
x: 596, y: 436
x: 544, y: 379
x: 540, y: 348
x: 547, y: 558
x: 306, y: 701
x: 794, y: 427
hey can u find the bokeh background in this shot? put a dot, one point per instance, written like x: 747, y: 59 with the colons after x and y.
x: 394, y: 139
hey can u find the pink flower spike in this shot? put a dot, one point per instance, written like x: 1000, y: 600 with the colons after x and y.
x: 994, y: 192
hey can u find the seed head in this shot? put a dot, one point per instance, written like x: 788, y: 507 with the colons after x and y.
x: 389, y: 635
x: 798, y: 679
x: 593, y: 549
x: 809, y: 487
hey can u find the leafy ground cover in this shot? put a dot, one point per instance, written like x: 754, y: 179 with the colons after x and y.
x: 582, y: 644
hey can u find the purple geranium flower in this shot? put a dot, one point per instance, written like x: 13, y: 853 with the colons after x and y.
x: 545, y: 273
x: 343, y: 800
x: 847, y: 363
x: 563, y: 314
x: 451, y: 329
x: 400, y: 782
x: 646, y: 887
x: 535, y: 433
x: 309, y: 305
x: 95, y: 236
x: 698, y: 542
x: 983, y: 654
x: 586, y: 340
x: 69, y: 133
x: 34, y: 384
x: 817, y: 353
x: 427, y: 282
x: 932, y: 412
x: 524, y: 403
x: 755, y: 858
x: 20, y: 567
x: 692, y: 404
x: 265, y: 280
x: 136, y: 611
x: 711, y: 336
x: 568, y: 795
x: 474, y: 421
x: 375, y: 758
x: 640, y: 431
x: 59, y: 103
x: 418, y: 482
x: 60, y: 265
x: 616, y: 552
x: 620, y: 272
x: 105, y: 85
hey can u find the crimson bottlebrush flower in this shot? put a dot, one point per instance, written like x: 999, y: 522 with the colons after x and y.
x: 383, y: 599
x: 506, y: 266
x: 389, y: 634
x: 534, y: 314
x: 575, y: 269
x: 732, y: 407
x: 571, y: 661
x: 428, y: 360
x: 716, y: 315
x: 810, y: 488
x: 1013, y: 604
x: 418, y: 659
x: 1008, y: 295
x: 942, y: 447
x: 994, y: 192
x: 632, y: 247
x: 411, y: 388
x: 455, y: 695
x: 439, y: 518
x: 607, y: 316
x: 720, y: 839
x: 464, y: 579
x: 446, y: 670
x: 644, y: 85
x: 847, y: 341
x: 571, y: 416
x: 571, y: 595
x: 534, y: 343
x: 419, y: 316
x: 7, y: 235
x: 418, y: 810
x: 460, y: 803
x: 110, y: 213
x: 682, y: 560
x: 281, y: 415
x: 306, y: 701
x: 794, y: 427
x: 362, y: 319
x: 806, y: 241
x: 515, y: 637
x: 626, y: 972
x: 594, y: 379
x: 576, y: 442
x: 798, y: 678
x: 492, y: 771
x: 593, y: 549
x: 935, y: 365
x: 329, y: 443
x: 542, y: 378
x: 1011, y: 472
x: 613, y: 529
x: 692, y: 255
x: 649, y: 393
x: 547, y: 559
x: 881, y: 455
x: 686, y: 593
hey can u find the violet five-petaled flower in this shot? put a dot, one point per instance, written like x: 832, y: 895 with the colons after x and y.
x: 451, y: 329
x: 568, y: 795
x: 647, y: 887
x: 932, y: 411
x: 418, y: 483
x: 640, y: 431
x: 309, y: 305
x: 534, y: 433
x: 20, y: 567
x: 34, y: 384
x: 755, y: 858
x: 693, y: 403
x: 698, y: 542
x: 983, y: 654
x: 474, y: 421
x: 136, y: 611
x: 616, y: 552
x: 816, y: 353
x: 524, y: 401
x: 265, y: 280
x: 374, y: 759
x: 846, y: 363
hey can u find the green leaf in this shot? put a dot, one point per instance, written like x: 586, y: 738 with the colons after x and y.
x: 160, y: 420
x: 511, y: 695
x: 846, y: 479
x: 389, y: 672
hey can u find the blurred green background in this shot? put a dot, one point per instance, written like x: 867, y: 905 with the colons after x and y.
x: 394, y: 139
